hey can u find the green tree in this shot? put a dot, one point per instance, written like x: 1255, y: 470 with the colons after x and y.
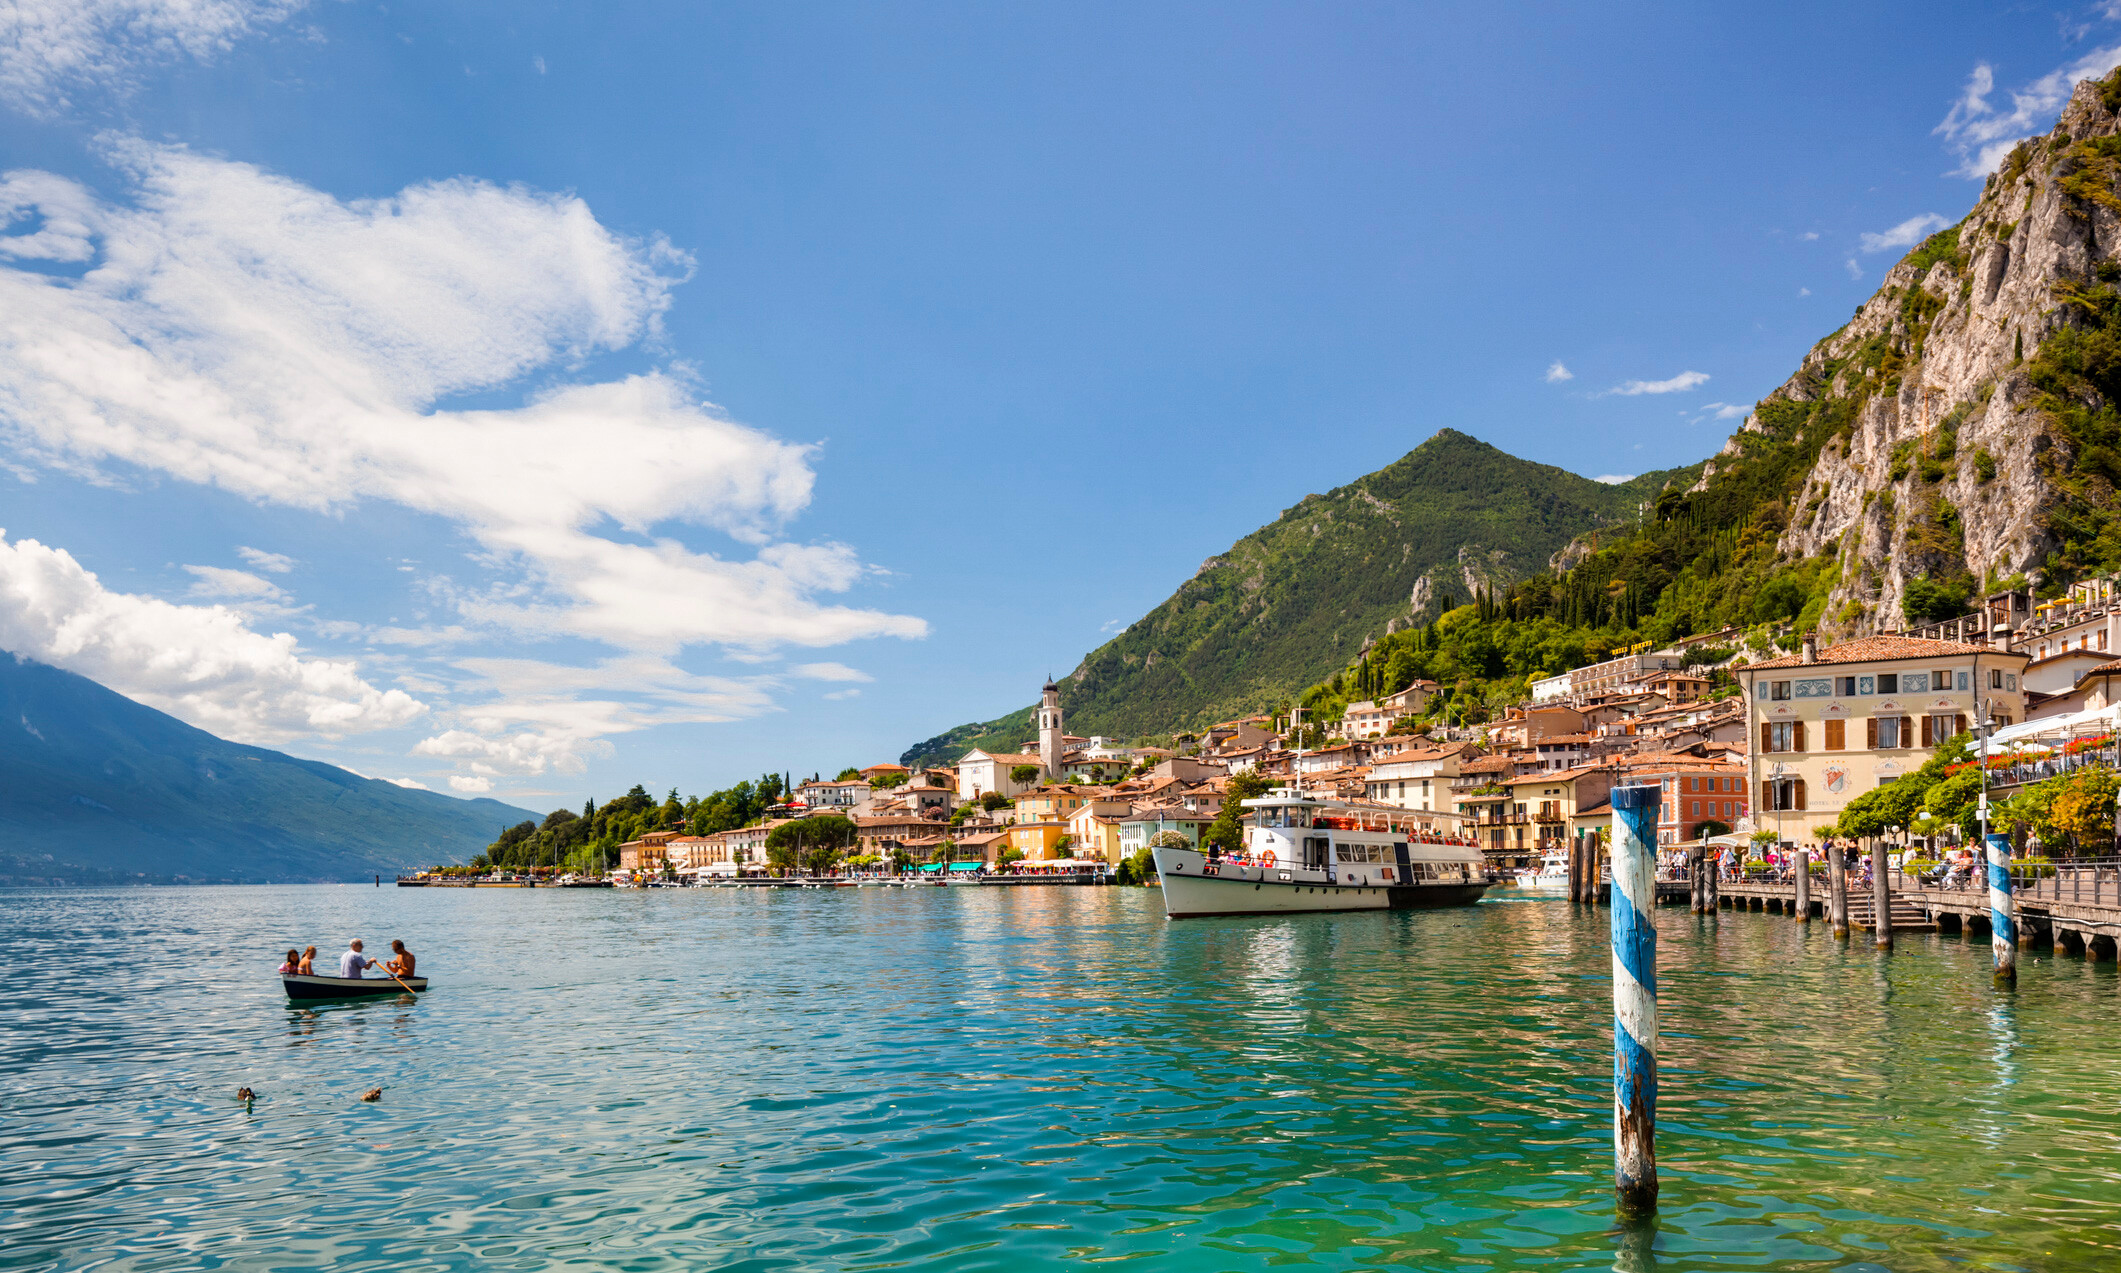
x: 814, y: 844
x: 1024, y: 773
x: 849, y: 774
x: 2082, y: 810
x: 1227, y: 831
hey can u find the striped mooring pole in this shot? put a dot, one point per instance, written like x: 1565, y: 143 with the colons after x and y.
x: 1634, y: 902
x: 2002, y: 909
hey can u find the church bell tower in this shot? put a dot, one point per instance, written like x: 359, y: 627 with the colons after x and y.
x: 1049, y: 730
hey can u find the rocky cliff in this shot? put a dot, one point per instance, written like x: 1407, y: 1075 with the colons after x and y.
x: 1963, y: 416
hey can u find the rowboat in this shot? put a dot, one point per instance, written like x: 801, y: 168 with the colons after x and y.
x: 313, y: 987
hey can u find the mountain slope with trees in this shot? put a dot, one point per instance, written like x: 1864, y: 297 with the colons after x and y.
x: 1291, y: 602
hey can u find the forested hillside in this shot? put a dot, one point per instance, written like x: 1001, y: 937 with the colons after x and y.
x: 1291, y: 602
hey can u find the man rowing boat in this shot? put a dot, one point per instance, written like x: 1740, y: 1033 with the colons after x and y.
x: 399, y: 964
x: 353, y: 962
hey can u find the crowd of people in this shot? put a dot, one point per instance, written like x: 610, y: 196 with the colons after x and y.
x: 352, y: 963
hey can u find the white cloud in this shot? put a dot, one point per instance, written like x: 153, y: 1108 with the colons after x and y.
x: 1907, y: 234
x: 1556, y: 373
x: 1855, y: 270
x: 1809, y: 236
x: 1804, y: 291
x: 471, y: 783
x: 538, y: 63
x: 537, y: 717
x: 201, y: 664
x: 413, y: 783
x: 1680, y: 383
x: 830, y: 672
x: 238, y: 329
x: 1614, y: 479
x: 1722, y: 411
x: 1982, y: 133
x: 840, y: 694
x: 51, y: 47
x: 274, y: 563
x: 218, y: 581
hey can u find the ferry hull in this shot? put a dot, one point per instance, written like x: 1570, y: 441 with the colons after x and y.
x: 1196, y: 889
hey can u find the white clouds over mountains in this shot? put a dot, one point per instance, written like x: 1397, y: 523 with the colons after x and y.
x: 201, y: 664
x: 229, y: 327
x: 1981, y: 132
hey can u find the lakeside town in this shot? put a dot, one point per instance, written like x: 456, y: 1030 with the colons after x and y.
x: 1759, y: 750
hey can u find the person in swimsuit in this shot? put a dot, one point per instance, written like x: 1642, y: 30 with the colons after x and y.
x: 293, y: 962
x: 400, y: 961
x: 307, y: 967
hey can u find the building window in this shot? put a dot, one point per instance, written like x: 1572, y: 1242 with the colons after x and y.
x: 1995, y: 678
x: 1836, y: 735
x: 1783, y: 736
x: 1888, y: 682
x: 1844, y: 687
x: 1942, y: 680
x: 1782, y: 795
x: 1779, y: 691
x: 1887, y: 733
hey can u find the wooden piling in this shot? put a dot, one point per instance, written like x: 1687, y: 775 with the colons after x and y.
x: 1697, y: 887
x: 1881, y: 898
x: 1804, y: 886
x: 1635, y: 999
x: 1837, y: 892
x: 2003, y: 910
x: 1576, y: 870
x: 1710, y: 883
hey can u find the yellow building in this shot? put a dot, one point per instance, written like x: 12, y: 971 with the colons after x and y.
x: 1093, y: 830
x: 1827, y: 725
x: 1038, y: 841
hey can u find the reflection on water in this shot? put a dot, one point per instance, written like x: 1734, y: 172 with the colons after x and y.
x: 991, y: 1078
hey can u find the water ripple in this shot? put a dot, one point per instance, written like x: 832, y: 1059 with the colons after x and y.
x: 878, y: 1079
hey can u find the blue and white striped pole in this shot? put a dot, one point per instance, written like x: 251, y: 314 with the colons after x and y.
x: 1635, y: 998
x: 2002, y: 909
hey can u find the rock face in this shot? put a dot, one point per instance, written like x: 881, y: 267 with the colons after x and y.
x: 1948, y: 471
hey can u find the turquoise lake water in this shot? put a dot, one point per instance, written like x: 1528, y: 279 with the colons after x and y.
x: 1015, y: 1078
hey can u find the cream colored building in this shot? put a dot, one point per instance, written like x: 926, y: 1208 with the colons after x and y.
x: 1828, y: 725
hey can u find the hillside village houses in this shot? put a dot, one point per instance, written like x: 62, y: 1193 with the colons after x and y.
x: 1784, y: 750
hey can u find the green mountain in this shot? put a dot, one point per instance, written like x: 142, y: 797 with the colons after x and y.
x: 1294, y: 601
x: 97, y: 788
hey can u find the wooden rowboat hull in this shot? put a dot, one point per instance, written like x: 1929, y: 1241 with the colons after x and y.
x: 347, y: 987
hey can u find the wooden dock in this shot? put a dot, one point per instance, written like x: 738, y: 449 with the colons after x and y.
x: 2065, y: 910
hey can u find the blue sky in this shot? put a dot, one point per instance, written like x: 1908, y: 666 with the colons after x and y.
x: 537, y: 399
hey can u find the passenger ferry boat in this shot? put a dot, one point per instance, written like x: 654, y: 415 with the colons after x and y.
x: 1551, y: 877
x: 1308, y: 853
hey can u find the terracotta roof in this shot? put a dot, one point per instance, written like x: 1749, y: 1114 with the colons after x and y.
x: 1010, y: 758
x: 1488, y: 765
x: 1877, y: 649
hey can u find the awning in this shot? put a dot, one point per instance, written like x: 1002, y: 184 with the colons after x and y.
x: 931, y: 866
x: 2091, y: 722
x: 966, y: 866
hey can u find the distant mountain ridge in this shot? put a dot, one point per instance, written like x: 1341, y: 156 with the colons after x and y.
x: 1290, y: 603
x: 97, y: 788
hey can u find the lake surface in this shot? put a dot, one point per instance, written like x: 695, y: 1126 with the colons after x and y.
x: 1012, y: 1078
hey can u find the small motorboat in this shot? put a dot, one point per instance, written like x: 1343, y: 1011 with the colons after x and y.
x: 313, y: 987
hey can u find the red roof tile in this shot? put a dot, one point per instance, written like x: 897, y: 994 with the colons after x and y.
x: 1877, y: 649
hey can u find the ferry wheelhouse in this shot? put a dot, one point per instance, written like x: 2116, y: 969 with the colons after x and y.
x: 1309, y: 853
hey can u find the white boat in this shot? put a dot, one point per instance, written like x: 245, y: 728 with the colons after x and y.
x: 1551, y: 877
x: 1308, y: 853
